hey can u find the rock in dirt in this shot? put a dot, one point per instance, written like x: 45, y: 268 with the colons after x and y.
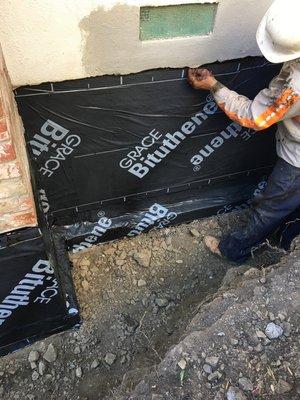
x: 214, y: 376
x: 143, y: 258
x: 212, y: 361
x: 273, y: 331
x: 263, y: 280
x: 235, y: 393
x: 195, y: 232
x: 141, y: 283
x: 50, y: 355
x: 246, y: 384
x: 272, y: 316
x: 85, y: 262
x: 287, y: 328
x: 33, y: 356
x: 33, y: 365
x: 283, y: 387
x: 110, y: 358
x: 281, y: 316
x: 95, y: 364
x: 259, y: 348
x: 35, y: 376
x: 78, y: 372
x: 85, y: 285
x: 252, y: 273
x: 261, y: 335
x: 161, y: 302
x: 41, y: 368
x: 207, y: 368
x: 182, y: 364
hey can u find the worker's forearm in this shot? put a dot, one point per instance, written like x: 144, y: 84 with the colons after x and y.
x: 223, y: 94
x: 217, y: 86
x: 237, y: 107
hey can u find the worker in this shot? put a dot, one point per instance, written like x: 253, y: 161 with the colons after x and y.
x: 278, y: 38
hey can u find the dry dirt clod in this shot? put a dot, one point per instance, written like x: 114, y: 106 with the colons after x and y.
x: 78, y: 372
x: 41, y: 368
x: 110, y: 358
x: 35, y: 375
x: 95, y: 364
x: 212, y: 361
x: 143, y: 258
x: 119, y: 262
x: 271, y: 316
x: 246, y: 384
x: 50, y: 355
x: 33, y: 356
x: 85, y: 285
x: 214, y: 376
x: 161, y: 302
x: 283, y: 387
x: 141, y: 283
x: 77, y: 350
x: 234, y: 393
x: 195, y: 232
x: 260, y: 335
x: 85, y: 262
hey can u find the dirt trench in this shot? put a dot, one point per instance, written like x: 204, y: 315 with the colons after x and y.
x: 137, y: 296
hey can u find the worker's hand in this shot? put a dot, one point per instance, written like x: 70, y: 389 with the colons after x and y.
x: 201, y: 78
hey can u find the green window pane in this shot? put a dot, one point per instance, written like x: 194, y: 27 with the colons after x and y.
x: 177, y: 21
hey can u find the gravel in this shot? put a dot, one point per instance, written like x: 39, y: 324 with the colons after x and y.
x: 273, y: 331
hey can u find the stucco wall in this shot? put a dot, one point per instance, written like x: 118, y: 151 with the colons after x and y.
x: 55, y: 40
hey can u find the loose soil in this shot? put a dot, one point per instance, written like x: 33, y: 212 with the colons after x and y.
x: 137, y: 298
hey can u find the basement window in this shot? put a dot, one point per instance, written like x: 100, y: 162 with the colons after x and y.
x: 184, y: 20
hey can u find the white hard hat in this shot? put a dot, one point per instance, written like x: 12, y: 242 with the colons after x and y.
x: 278, y: 35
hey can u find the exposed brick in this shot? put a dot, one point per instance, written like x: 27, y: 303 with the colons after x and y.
x: 3, y: 125
x: 7, y: 152
x: 11, y: 204
x: 10, y: 170
x: 24, y: 219
x: 17, y: 209
x: 11, y: 188
x: 4, y: 136
x: 9, y: 222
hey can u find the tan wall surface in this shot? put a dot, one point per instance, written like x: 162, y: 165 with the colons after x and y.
x: 55, y: 40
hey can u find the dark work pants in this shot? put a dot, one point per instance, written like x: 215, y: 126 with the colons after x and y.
x: 279, y: 199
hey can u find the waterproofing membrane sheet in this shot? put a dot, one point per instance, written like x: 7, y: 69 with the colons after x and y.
x: 34, y: 301
x: 106, y: 151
